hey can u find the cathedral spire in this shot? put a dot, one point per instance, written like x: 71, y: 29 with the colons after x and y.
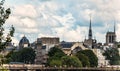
x: 114, y: 26
x: 90, y: 30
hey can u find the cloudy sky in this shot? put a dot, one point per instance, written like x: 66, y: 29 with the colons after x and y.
x: 67, y: 19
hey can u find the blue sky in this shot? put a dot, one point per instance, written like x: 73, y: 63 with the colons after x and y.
x: 67, y: 19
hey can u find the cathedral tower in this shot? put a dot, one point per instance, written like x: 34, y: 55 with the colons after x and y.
x: 111, y: 36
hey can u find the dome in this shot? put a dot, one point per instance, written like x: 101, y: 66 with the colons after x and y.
x: 23, y: 41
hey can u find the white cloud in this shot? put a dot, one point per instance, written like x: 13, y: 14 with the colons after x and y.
x: 25, y: 10
x: 68, y: 19
x: 30, y: 23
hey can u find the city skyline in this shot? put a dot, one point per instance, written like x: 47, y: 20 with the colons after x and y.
x: 68, y: 19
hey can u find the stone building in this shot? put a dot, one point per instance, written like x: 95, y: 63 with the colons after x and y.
x: 111, y: 37
x: 41, y: 55
x: 101, y: 59
x: 49, y: 42
x: 72, y: 47
x: 42, y: 47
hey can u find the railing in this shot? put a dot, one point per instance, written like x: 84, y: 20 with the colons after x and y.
x: 42, y: 67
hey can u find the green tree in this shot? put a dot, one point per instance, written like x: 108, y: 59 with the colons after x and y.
x: 55, y: 54
x: 4, y: 40
x: 56, y: 51
x: 55, y: 62
x: 71, y: 61
x: 25, y: 55
x: 83, y: 58
x: 112, y: 54
x: 91, y: 56
x: 4, y: 15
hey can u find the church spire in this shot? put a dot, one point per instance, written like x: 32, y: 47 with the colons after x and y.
x: 90, y: 30
x: 114, y: 26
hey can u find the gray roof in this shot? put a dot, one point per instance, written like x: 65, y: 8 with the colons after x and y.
x: 66, y: 44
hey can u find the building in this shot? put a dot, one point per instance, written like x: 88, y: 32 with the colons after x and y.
x: 101, y: 59
x: 111, y: 37
x: 90, y: 42
x: 41, y: 55
x: 49, y: 42
x: 43, y: 45
x: 72, y: 47
x: 24, y: 42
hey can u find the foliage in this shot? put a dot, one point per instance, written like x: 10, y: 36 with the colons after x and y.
x: 71, y: 61
x: 58, y: 58
x: 4, y: 15
x: 2, y: 59
x: 83, y: 58
x: 55, y: 54
x: 112, y: 54
x: 55, y: 62
x: 4, y: 40
x: 3, y: 68
x: 25, y: 55
x: 56, y: 51
x: 8, y: 56
x: 91, y: 56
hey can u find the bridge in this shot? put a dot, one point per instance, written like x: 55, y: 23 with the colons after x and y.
x: 34, y: 67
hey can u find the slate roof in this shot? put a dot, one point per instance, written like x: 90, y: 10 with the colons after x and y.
x: 66, y: 44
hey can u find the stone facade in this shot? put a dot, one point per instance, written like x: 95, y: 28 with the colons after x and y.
x: 110, y: 38
x: 101, y: 59
x: 43, y: 46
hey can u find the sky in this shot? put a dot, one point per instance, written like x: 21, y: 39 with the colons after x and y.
x: 67, y: 19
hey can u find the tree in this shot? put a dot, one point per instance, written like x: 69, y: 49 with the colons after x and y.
x: 91, y: 56
x: 112, y: 54
x: 4, y: 40
x: 71, y: 61
x: 4, y: 15
x: 25, y: 55
x: 56, y: 51
x: 55, y: 54
x: 84, y: 59
x: 55, y: 62
x: 58, y: 58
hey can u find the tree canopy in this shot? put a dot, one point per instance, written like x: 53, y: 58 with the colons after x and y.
x: 56, y: 51
x: 58, y: 58
x: 91, y: 56
x: 112, y: 54
x: 83, y: 58
x: 71, y: 61
x: 4, y: 15
x: 25, y: 55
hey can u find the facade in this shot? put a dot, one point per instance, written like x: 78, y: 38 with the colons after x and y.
x: 101, y: 59
x: 42, y: 47
x: 41, y: 55
x: 111, y: 37
x: 49, y: 42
